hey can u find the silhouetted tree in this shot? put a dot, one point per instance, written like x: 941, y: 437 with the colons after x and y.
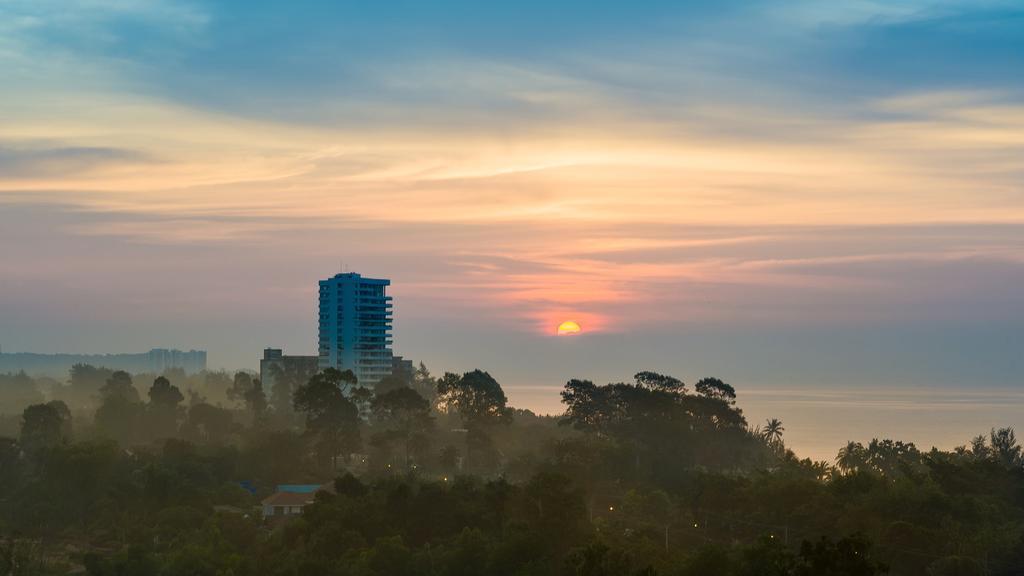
x: 120, y: 413
x: 448, y: 458
x: 86, y: 382
x: 45, y: 426
x: 120, y: 385
x: 715, y: 388
x: 850, y: 556
x: 476, y: 397
x: 389, y: 383
x: 18, y: 391
x: 979, y: 448
x: 216, y: 385
x: 655, y: 381
x: 209, y: 424
x: 286, y: 378
x: 1004, y: 447
x: 332, y: 420
x: 10, y: 465
x: 891, y: 458
x: 851, y: 457
x: 164, y: 407
x: 21, y: 557
x: 655, y: 421
x: 249, y: 392
x: 773, y: 430
x: 404, y: 415
x: 480, y: 403
x: 424, y: 383
x: 362, y: 397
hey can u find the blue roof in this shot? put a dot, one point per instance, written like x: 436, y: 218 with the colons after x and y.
x: 298, y: 488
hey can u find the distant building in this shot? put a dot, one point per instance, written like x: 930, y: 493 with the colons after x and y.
x: 155, y: 361
x: 161, y: 359
x: 275, y: 365
x: 355, y: 326
x: 403, y: 367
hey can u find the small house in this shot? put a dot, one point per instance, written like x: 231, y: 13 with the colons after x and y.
x: 290, y: 499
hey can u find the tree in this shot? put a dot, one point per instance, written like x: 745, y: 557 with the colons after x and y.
x: 120, y: 386
x: 597, y: 559
x: 332, y: 420
x: 405, y: 415
x: 175, y: 375
x: 164, y: 407
x: 285, y: 378
x: 249, y: 392
x: 362, y: 397
x: 208, y: 423
x: 588, y: 407
x: 45, y: 426
x: 389, y: 383
x: 448, y: 458
x: 349, y: 485
x: 17, y: 391
x: 773, y: 430
x: 849, y: 556
x: 119, y: 416
x: 476, y: 397
x: 480, y: 403
x: 163, y: 393
x: 655, y: 421
x: 655, y: 381
x: 891, y: 458
x: 65, y: 416
x: 979, y: 448
x: 256, y: 401
x: 240, y: 387
x: 86, y: 382
x: 216, y: 384
x: 715, y: 388
x: 851, y: 457
x: 424, y: 383
x: 768, y: 557
x: 19, y: 557
x: 1004, y: 447
x: 10, y: 469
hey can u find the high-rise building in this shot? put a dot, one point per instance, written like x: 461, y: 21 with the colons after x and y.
x: 355, y: 326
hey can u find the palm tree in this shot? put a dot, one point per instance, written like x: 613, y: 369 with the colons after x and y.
x: 820, y: 469
x: 850, y: 457
x: 773, y: 431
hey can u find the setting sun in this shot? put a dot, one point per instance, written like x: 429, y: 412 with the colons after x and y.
x: 568, y: 328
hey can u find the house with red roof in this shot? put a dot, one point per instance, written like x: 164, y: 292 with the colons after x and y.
x: 290, y: 499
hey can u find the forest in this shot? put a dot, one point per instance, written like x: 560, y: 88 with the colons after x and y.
x: 116, y: 474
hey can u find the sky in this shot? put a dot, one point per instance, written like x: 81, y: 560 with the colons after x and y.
x: 785, y: 194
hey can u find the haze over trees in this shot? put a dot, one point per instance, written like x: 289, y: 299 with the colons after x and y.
x: 118, y: 474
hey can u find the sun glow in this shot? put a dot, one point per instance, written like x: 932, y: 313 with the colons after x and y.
x: 569, y: 328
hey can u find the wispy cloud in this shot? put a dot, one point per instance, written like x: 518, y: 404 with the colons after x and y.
x: 515, y: 164
x: 35, y: 163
